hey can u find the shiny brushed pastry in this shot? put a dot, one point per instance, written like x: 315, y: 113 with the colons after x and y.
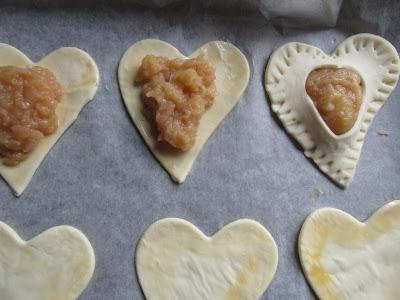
x: 232, y: 76
x: 175, y: 260
x: 57, y: 264
x: 344, y: 259
x: 377, y: 62
x: 78, y: 74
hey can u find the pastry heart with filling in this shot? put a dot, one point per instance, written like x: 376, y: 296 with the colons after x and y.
x: 76, y: 71
x: 345, y: 259
x: 232, y: 76
x: 175, y: 260
x: 56, y: 264
x: 373, y: 58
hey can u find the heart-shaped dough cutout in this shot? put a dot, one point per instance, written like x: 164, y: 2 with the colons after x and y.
x: 232, y: 76
x: 343, y: 258
x: 175, y: 260
x: 57, y: 264
x: 78, y: 74
x: 372, y: 57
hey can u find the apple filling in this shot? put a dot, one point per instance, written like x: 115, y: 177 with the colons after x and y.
x: 28, y: 102
x: 337, y: 94
x: 176, y: 94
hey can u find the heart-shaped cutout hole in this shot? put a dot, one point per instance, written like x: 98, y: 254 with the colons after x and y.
x: 78, y: 75
x: 231, y: 78
x: 57, y: 264
x: 337, y: 94
x: 343, y: 258
x: 175, y: 260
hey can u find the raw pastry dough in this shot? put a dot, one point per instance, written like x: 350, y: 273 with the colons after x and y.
x: 57, y: 264
x: 232, y: 76
x: 374, y: 58
x: 175, y: 260
x: 79, y: 76
x: 346, y: 259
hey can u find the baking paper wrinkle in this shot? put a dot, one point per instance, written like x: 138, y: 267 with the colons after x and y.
x: 350, y: 15
x: 287, y: 13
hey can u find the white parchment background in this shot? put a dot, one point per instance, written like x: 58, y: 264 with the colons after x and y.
x: 101, y: 178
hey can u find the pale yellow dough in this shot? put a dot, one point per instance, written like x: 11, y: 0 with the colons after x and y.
x: 344, y: 259
x: 55, y: 265
x: 79, y: 76
x: 372, y: 57
x: 232, y: 76
x: 175, y: 260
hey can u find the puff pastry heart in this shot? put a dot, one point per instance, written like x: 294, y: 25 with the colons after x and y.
x: 343, y: 258
x: 232, y: 76
x: 377, y: 62
x: 57, y: 264
x: 175, y: 260
x: 79, y: 76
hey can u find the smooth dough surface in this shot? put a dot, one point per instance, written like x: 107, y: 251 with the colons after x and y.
x: 79, y: 76
x: 175, y: 260
x: 232, y: 76
x: 57, y: 264
x: 377, y: 62
x: 343, y: 258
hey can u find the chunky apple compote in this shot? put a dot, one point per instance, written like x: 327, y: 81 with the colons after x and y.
x: 176, y: 93
x: 337, y: 94
x: 28, y: 102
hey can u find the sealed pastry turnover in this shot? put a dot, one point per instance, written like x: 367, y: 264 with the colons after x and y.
x: 328, y: 102
x: 177, y: 102
x: 176, y: 93
x: 28, y: 102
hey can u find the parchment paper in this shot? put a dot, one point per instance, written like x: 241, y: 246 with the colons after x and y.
x: 286, y: 12
x: 101, y: 178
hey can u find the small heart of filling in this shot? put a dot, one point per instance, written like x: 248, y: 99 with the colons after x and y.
x: 28, y: 102
x: 337, y: 94
x: 176, y: 94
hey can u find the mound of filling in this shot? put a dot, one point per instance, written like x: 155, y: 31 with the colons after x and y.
x: 28, y: 102
x: 176, y: 93
x: 337, y: 94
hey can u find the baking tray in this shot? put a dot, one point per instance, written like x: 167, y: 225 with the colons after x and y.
x: 101, y: 178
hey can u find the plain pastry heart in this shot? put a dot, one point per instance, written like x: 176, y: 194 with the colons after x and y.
x: 232, y: 76
x: 346, y: 259
x: 175, y: 260
x: 377, y: 62
x: 57, y: 264
x: 77, y: 72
